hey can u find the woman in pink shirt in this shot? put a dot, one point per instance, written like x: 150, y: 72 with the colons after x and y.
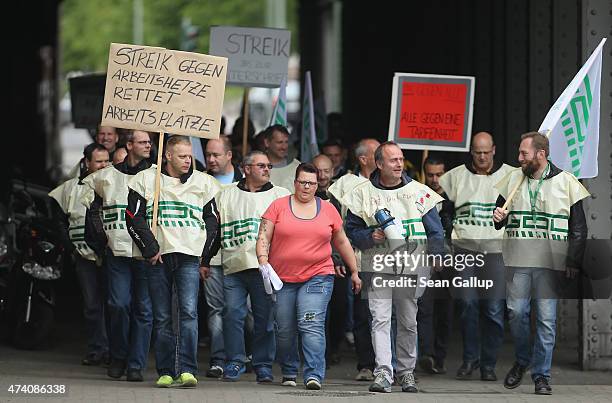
x: 295, y: 238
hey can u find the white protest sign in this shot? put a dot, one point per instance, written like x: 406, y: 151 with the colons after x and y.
x: 258, y: 57
x: 162, y: 90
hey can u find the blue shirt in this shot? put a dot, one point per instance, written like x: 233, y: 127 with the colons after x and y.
x: 225, y: 179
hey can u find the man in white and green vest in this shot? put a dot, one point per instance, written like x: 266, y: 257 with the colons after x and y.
x: 89, y: 268
x: 393, y: 286
x: 186, y: 231
x: 276, y: 139
x: 241, y: 206
x: 544, y: 241
x: 129, y: 305
x: 471, y: 190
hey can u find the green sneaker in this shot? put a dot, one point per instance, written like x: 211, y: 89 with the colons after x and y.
x: 186, y: 379
x: 164, y: 381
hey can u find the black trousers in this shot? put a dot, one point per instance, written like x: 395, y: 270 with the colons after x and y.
x: 434, y: 319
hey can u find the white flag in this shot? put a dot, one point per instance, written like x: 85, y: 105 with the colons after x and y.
x: 279, y: 114
x: 309, y: 147
x: 573, y: 121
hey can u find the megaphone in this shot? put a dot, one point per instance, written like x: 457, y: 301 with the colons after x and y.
x: 391, y: 228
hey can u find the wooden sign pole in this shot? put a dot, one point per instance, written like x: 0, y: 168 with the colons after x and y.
x: 425, y: 155
x: 245, y: 122
x: 160, y: 151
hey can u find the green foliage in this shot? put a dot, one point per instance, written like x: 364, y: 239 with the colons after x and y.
x: 88, y: 27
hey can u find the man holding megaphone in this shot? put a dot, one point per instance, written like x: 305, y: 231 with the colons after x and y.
x: 384, y: 213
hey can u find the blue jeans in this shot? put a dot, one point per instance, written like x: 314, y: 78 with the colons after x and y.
x: 300, y: 309
x: 481, y: 311
x: 175, y: 353
x: 93, y: 282
x: 519, y: 287
x: 129, y: 310
x: 213, y: 286
x: 236, y: 287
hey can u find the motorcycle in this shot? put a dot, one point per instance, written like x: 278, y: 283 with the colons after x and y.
x: 38, y: 262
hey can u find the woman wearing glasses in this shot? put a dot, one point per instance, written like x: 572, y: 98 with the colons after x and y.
x: 295, y: 238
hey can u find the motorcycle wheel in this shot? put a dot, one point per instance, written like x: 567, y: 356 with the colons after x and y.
x: 33, y: 334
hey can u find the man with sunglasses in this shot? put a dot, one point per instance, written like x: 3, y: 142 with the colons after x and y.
x: 241, y: 206
x: 129, y: 304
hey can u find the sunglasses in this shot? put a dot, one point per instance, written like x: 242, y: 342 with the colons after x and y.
x: 261, y: 165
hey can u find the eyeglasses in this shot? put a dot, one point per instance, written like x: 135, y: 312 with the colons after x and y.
x: 261, y: 165
x: 306, y: 183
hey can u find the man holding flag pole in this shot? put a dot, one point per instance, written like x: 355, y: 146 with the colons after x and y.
x: 544, y: 213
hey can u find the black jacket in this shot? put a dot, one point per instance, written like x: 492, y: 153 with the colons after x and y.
x: 138, y: 227
x: 95, y: 236
x: 577, y: 227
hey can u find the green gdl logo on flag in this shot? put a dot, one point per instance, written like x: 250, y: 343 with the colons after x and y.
x: 575, y: 121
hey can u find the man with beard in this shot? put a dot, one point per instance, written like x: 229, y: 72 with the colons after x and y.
x: 129, y: 305
x: 544, y: 242
x: 277, y: 147
x: 471, y: 189
x: 241, y: 206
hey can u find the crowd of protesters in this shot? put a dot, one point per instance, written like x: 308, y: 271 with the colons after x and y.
x: 267, y: 257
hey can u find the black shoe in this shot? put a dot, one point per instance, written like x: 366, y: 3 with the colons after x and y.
x: 541, y: 386
x: 134, y: 375
x: 427, y: 364
x: 116, y: 369
x: 514, y: 376
x: 92, y: 359
x: 466, y: 369
x: 215, y: 371
x: 487, y: 374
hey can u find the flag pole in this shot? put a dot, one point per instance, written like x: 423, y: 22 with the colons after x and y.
x: 245, y: 122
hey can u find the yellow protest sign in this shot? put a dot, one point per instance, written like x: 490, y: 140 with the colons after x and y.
x: 162, y: 90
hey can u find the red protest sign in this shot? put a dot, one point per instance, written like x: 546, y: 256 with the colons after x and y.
x: 432, y: 112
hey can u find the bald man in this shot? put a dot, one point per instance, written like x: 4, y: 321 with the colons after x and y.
x: 470, y: 189
x: 325, y: 168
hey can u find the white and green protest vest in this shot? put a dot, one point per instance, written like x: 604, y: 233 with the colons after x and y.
x: 407, y: 204
x: 343, y: 185
x: 112, y: 186
x: 68, y: 196
x: 240, y: 214
x: 217, y: 259
x: 539, y: 237
x: 284, y: 176
x: 474, y: 197
x: 180, y: 225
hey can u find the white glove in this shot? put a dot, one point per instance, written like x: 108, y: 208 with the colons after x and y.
x: 270, y: 279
